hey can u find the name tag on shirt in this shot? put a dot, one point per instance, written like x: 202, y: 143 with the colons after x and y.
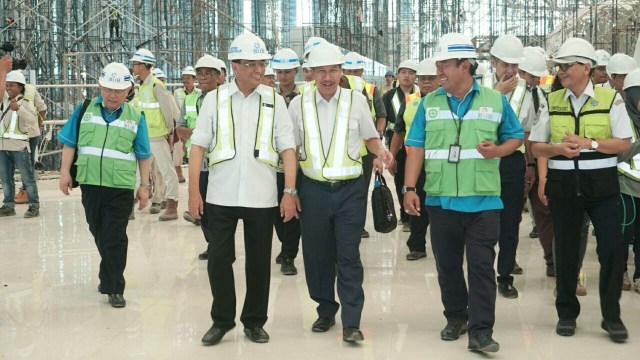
x: 454, y: 154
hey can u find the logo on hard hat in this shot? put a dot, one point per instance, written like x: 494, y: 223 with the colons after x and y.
x: 113, y: 77
x: 235, y: 50
x: 257, y: 49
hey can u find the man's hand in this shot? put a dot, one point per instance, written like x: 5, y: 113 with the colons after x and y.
x: 541, y: 195
x: 488, y: 150
x: 393, y: 169
x: 290, y: 207
x: 583, y: 142
x: 196, y: 206
x: 142, y: 197
x: 386, y: 157
x: 170, y: 141
x: 14, y: 105
x: 506, y: 86
x: 411, y: 203
x: 65, y: 183
x: 568, y: 149
x: 529, y: 179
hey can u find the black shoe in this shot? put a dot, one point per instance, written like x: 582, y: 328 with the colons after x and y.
x: 204, y: 255
x: 551, y: 270
x: 351, y: 335
x: 117, y: 300
x: 616, y: 329
x: 453, y: 330
x: 323, y: 324
x: 257, y: 335
x: 279, y: 259
x: 566, y: 327
x: 213, y: 336
x: 415, y: 255
x: 507, y: 290
x: 365, y: 234
x: 287, y: 267
x: 517, y: 270
x: 534, y: 233
x: 483, y: 342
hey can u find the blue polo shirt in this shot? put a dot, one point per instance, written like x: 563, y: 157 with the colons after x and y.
x: 68, y: 135
x: 509, y: 128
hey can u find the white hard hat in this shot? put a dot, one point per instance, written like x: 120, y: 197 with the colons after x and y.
x: 158, y: 73
x: 143, y: 56
x: 208, y: 61
x: 311, y: 43
x: 408, y: 64
x: 534, y: 63
x: 353, y: 61
x: 537, y: 48
x: 575, y: 50
x: 16, y: 76
x: 426, y: 67
x: 602, y: 57
x: 508, y: 48
x: 268, y: 71
x: 189, y: 70
x: 115, y: 76
x: 285, y: 59
x: 632, y: 79
x: 481, y: 69
x: 621, y: 64
x: 305, y: 64
x: 454, y: 46
x: 248, y: 47
x: 221, y: 64
x: 325, y: 54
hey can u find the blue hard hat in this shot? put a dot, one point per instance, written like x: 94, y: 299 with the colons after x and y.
x: 390, y: 73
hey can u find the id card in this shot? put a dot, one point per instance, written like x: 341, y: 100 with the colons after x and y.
x: 454, y: 153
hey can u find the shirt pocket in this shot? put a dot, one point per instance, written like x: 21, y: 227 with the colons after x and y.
x: 487, y: 176
x: 434, y: 135
x: 86, y: 134
x: 433, y: 183
x: 485, y: 131
x: 125, y: 141
x: 124, y: 173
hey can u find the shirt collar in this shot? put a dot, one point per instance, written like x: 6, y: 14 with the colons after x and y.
x: 475, y: 87
x: 99, y: 101
x: 233, y: 88
x: 587, y: 91
x: 335, y: 96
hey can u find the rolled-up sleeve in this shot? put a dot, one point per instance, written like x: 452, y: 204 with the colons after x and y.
x: 206, y: 121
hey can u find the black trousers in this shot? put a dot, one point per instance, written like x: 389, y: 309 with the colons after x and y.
x: 258, y: 232
x: 631, y: 230
x: 453, y: 232
x: 512, y: 169
x: 398, y: 180
x: 204, y: 182
x: 418, y: 238
x: 332, y: 221
x: 107, y: 212
x: 288, y: 232
x: 568, y: 219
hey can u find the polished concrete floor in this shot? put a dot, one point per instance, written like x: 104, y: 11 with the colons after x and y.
x: 50, y: 307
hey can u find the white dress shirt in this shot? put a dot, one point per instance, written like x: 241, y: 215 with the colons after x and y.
x: 244, y: 180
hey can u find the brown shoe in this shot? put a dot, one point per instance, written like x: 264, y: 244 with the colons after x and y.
x: 172, y: 211
x: 21, y: 197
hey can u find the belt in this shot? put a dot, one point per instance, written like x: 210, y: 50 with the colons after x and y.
x: 332, y: 184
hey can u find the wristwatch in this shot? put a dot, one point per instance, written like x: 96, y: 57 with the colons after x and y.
x: 291, y: 191
x: 594, y: 144
x: 406, y: 189
x: 146, y: 186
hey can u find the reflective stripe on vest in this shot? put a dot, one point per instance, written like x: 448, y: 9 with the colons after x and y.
x: 10, y: 131
x: 224, y: 147
x: 108, y: 153
x: 395, y: 103
x: 583, y: 164
x: 337, y: 165
x: 444, y: 154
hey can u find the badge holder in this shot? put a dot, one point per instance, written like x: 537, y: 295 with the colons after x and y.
x: 454, y: 154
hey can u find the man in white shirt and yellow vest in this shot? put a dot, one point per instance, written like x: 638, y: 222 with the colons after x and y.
x: 330, y: 124
x: 247, y: 128
x: 159, y: 110
x: 581, y: 132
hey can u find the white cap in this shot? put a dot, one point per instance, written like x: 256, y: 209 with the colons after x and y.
x: 325, y: 54
x: 535, y: 63
x: 632, y: 79
x: 575, y: 50
x: 508, y: 48
x: 158, y: 73
x: 189, y: 70
x: 143, y: 56
x: 208, y: 61
x: 248, y: 47
x: 621, y: 64
x: 408, y: 64
x: 602, y: 57
x: 454, y: 46
x: 353, y: 61
x: 311, y: 43
x: 426, y: 67
x: 285, y: 59
x: 221, y: 64
x: 16, y: 76
x: 268, y: 71
x: 481, y: 69
x: 115, y: 76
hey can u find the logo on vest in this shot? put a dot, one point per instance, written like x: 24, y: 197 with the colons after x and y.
x: 558, y: 108
x: 129, y: 125
x: 433, y: 113
x: 485, y: 113
x: 595, y: 103
x: 86, y: 118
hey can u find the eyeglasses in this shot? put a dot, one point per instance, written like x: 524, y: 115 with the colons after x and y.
x: 565, y: 67
x: 254, y: 64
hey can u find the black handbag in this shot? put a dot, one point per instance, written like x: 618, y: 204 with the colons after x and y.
x: 73, y: 170
x: 384, y: 212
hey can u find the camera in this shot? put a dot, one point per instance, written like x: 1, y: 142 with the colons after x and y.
x: 18, y: 64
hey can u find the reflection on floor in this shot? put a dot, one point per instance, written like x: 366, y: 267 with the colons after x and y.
x: 50, y: 308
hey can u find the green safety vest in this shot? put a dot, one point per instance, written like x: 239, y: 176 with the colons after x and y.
x: 473, y: 175
x: 338, y: 165
x: 411, y: 107
x: 12, y: 129
x: 593, y: 121
x: 191, y: 114
x: 105, y: 150
x: 224, y: 145
x: 145, y: 101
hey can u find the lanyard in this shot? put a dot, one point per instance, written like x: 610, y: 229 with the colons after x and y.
x: 459, y: 122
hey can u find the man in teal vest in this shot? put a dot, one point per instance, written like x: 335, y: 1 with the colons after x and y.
x: 111, y: 143
x: 459, y: 132
x: 580, y: 132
